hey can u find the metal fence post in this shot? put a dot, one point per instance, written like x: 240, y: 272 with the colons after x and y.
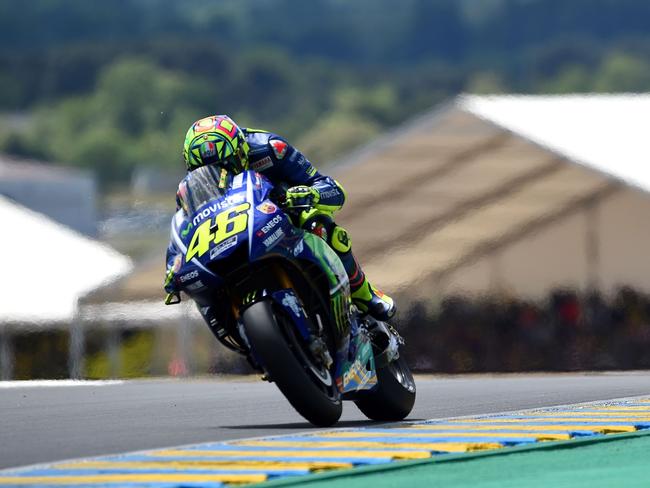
x: 113, y: 350
x: 592, y: 250
x: 76, y: 349
x: 6, y: 354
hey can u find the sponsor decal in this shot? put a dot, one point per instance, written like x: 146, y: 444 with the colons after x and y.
x: 197, y: 285
x: 356, y: 372
x: 300, y: 247
x: 178, y: 261
x: 223, y: 246
x: 290, y: 301
x: 279, y: 148
x: 311, y: 171
x: 299, y: 158
x: 186, y: 230
x: 267, y: 208
x: 342, y: 237
x: 273, y: 239
x: 238, y: 181
x: 334, y: 192
x: 320, y: 231
x: 262, y: 164
x: 209, y: 149
x: 213, y: 207
x: 189, y: 276
x: 266, y: 228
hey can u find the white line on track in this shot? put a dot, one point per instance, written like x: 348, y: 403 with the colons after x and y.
x: 56, y: 383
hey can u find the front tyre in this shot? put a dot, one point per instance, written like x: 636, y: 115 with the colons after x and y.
x: 394, y: 396
x: 286, y: 358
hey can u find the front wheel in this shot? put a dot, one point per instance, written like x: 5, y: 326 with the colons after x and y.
x: 394, y: 396
x: 280, y: 348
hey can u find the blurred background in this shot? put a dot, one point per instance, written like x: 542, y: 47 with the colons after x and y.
x: 513, y: 229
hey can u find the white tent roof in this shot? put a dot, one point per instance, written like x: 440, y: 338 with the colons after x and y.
x: 608, y: 133
x: 484, y: 174
x: 47, y: 267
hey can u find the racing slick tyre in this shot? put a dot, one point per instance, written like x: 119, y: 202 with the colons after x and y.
x: 285, y: 356
x: 394, y: 396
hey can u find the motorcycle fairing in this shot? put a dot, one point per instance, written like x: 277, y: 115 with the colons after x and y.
x: 268, y: 233
x: 320, y: 253
x: 357, y: 373
x: 181, y: 232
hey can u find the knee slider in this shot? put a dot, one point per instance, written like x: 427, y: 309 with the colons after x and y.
x: 340, y: 240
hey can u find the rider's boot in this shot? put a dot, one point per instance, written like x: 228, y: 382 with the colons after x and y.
x: 366, y: 297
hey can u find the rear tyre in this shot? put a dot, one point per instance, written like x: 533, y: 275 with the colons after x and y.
x: 394, y: 396
x: 280, y: 348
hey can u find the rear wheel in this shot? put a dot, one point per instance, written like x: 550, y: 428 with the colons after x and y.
x: 394, y: 396
x: 304, y: 380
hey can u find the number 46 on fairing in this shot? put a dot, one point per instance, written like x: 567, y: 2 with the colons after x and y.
x: 227, y: 223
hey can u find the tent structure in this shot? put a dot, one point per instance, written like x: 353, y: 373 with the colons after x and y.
x: 506, y: 193
x: 47, y: 268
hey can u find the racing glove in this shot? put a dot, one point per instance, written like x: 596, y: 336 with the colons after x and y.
x: 302, y: 196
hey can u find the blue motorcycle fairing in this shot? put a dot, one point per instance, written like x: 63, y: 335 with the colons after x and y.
x: 269, y: 232
x: 262, y: 217
x: 189, y: 274
x: 357, y: 372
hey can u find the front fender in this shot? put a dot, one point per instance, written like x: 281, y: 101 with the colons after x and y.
x: 288, y: 300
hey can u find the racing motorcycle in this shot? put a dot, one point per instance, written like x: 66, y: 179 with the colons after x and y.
x: 280, y: 296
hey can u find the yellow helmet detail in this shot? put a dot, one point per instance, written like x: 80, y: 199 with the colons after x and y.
x: 216, y: 139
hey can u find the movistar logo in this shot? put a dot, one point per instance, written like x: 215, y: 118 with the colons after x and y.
x: 187, y: 230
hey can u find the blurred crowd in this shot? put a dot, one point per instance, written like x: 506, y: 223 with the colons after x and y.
x: 567, y: 331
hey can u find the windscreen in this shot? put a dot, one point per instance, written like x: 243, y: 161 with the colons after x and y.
x: 203, y: 185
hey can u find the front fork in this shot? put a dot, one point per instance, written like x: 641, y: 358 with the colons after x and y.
x: 291, y: 303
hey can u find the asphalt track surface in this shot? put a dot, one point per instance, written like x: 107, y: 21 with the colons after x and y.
x: 42, y: 424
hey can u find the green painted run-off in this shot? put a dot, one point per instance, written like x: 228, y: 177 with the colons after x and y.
x: 616, y: 460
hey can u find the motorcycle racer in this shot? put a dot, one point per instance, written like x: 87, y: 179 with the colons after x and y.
x: 218, y: 140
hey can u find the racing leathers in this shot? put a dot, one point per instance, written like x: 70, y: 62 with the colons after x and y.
x: 285, y: 166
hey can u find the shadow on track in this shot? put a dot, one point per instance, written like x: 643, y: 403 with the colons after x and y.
x: 307, y: 425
